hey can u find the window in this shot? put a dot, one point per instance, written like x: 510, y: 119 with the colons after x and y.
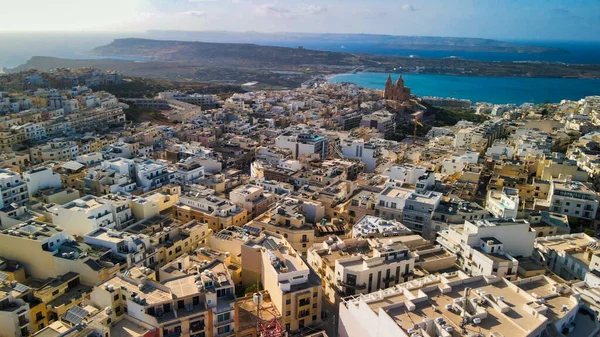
x: 287, y: 313
x: 116, y: 297
x: 288, y: 301
x: 314, y: 318
x: 224, y: 317
x: 223, y: 329
x: 315, y: 294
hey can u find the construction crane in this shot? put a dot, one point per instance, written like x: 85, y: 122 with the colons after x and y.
x: 417, y: 123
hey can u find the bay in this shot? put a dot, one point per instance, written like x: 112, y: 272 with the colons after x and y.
x: 497, y: 90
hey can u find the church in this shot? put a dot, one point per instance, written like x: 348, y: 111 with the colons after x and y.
x: 396, y: 92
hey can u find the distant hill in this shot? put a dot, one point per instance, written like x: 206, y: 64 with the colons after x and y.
x: 218, y: 53
x: 386, y: 41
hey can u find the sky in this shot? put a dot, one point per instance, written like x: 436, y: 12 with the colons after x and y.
x: 500, y: 19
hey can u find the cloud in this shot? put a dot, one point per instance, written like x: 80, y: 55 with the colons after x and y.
x: 315, y: 9
x: 273, y: 11
x: 193, y: 13
x: 408, y: 7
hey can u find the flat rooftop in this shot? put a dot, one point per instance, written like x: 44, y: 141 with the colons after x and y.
x: 151, y: 294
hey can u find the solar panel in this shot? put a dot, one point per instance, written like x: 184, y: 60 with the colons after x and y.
x: 75, y: 315
x: 3, y: 277
x: 252, y: 230
x: 21, y: 288
x: 270, y: 244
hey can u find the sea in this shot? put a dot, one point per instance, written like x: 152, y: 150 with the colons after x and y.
x: 497, y: 90
x: 17, y: 48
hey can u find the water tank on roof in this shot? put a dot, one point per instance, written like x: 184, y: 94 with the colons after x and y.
x: 257, y: 298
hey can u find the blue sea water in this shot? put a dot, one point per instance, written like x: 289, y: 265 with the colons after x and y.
x: 499, y: 90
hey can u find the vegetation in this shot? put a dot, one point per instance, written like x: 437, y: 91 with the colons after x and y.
x: 441, y: 117
x: 149, y: 88
x: 137, y: 114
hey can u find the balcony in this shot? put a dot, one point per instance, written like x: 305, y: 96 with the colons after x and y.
x: 23, y: 321
x: 352, y: 286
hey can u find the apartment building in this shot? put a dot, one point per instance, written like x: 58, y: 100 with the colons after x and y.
x: 294, y: 287
x: 14, y: 315
x: 253, y: 199
x: 84, y: 215
x: 358, y: 266
x: 570, y: 256
x: 13, y: 189
x: 490, y: 246
x: 176, y: 307
x: 454, y: 303
x: 189, y: 171
x: 46, y: 251
x: 288, y: 219
x: 169, y: 238
x: 505, y: 204
x: 382, y: 121
x: 151, y: 175
x: 374, y: 227
x: 152, y: 204
x: 366, y: 151
x: 218, y: 213
x: 41, y: 178
x: 218, y: 288
x: 572, y: 198
x: 303, y: 142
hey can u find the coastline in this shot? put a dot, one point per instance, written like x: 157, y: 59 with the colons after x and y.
x: 495, y: 90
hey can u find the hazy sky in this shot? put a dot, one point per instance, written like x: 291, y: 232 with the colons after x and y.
x: 507, y: 19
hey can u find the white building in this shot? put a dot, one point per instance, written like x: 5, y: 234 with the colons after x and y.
x: 367, y: 152
x: 489, y: 247
x: 373, y: 227
x: 405, y: 173
x: 13, y: 189
x: 151, y: 174
x: 303, y: 141
x: 457, y: 162
x: 572, y: 198
x: 84, y: 215
x: 41, y: 178
x: 130, y: 247
x: 505, y: 204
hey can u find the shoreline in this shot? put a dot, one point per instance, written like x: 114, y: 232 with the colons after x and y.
x: 482, y: 89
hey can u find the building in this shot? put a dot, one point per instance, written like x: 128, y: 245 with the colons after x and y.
x: 41, y: 178
x: 570, y: 256
x: 382, y: 121
x: 14, y: 190
x: 453, y: 304
x: 367, y: 152
x: 294, y: 287
x: 358, y: 266
x: 253, y: 199
x: 572, y: 198
x: 151, y: 175
x: 218, y: 213
x: 289, y: 218
x: 489, y: 247
x: 84, y: 215
x: 373, y: 227
x: 303, y: 142
x: 503, y: 205
x: 396, y: 92
x: 14, y: 315
x: 47, y: 251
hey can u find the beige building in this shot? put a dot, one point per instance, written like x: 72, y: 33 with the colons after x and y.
x: 294, y: 287
x: 358, y: 266
x: 253, y: 199
x: 287, y: 218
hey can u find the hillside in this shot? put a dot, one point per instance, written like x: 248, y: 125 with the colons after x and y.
x: 217, y: 53
x: 387, y: 41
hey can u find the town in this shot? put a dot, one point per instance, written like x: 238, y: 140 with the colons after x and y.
x: 326, y: 210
